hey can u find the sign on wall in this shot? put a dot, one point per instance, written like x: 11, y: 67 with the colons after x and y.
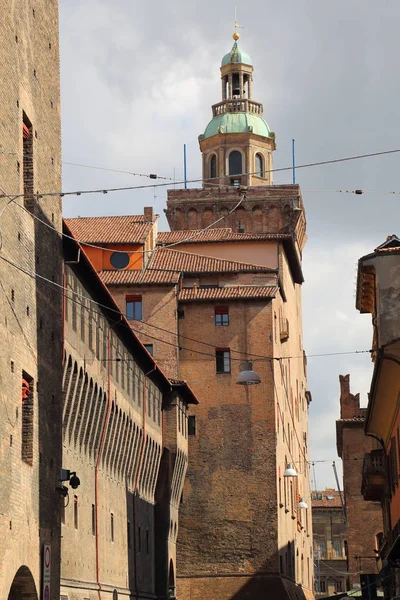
x: 46, y: 572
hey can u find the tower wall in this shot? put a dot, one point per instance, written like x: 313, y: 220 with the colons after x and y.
x: 30, y: 309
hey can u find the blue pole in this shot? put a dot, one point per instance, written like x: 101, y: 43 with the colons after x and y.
x: 294, y: 160
x: 184, y: 165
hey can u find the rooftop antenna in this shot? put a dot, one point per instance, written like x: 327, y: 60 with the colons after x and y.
x: 294, y: 159
x: 184, y: 165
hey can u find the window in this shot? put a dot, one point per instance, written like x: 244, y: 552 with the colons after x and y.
x: 235, y: 163
x: 134, y: 308
x: 76, y: 512
x: 259, y: 165
x: 336, y: 548
x: 128, y: 534
x: 149, y: 348
x: 339, y: 585
x: 192, y: 425
x: 221, y: 316
x: 27, y: 419
x: 213, y: 166
x: 27, y: 161
x: 181, y: 314
x: 119, y: 260
x: 112, y: 526
x: 93, y: 519
x: 322, y: 585
x: 223, y: 361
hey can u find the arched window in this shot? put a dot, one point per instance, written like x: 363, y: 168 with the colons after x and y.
x: 336, y: 548
x: 213, y: 166
x: 259, y: 165
x: 235, y: 163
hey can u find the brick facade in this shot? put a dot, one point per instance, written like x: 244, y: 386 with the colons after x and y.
x: 364, y: 519
x: 30, y: 324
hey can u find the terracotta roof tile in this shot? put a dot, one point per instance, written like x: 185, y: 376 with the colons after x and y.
x: 227, y: 293
x: 128, y: 229
x: 358, y: 419
x: 187, y: 262
x: 325, y: 502
x: 194, y: 236
x: 139, y: 277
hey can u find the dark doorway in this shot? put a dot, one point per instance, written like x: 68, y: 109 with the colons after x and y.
x: 23, y: 586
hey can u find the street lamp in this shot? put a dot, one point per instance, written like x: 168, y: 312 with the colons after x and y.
x: 302, y: 504
x: 247, y: 376
x: 290, y: 471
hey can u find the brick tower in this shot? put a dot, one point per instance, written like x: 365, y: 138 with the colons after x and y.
x: 241, y: 534
x: 30, y: 308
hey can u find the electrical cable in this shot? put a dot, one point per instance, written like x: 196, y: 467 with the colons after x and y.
x: 129, y: 252
x: 118, y: 312
x: 210, y: 179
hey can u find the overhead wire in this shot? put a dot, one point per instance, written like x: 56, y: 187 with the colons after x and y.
x: 210, y: 179
x: 33, y: 274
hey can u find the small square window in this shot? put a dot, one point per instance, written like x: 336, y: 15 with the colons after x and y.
x: 223, y: 360
x: 149, y: 348
x: 134, y: 308
x: 181, y: 314
x: 221, y: 316
x: 191, y: 425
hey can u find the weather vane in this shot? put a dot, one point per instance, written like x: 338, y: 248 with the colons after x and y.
x: 237, y: 26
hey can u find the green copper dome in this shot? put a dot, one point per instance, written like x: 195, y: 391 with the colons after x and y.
x: 240, y: 122
x: 236, y: 56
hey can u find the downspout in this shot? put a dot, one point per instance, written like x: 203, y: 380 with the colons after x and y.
x: 96, y: 473
x: 137, y: 478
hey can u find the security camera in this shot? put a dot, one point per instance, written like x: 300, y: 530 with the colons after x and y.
x: 74, y: 481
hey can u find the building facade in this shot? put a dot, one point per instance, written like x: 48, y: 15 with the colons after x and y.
x: 364, y: 519
x: 378, y: 288
x: 220, y: 290
x: 125, y: 435
x: 30, y: 308
x: 330, y: 543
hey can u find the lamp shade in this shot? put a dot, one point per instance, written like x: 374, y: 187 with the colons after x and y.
x: 302, y: 503
x: 290, y: 471
x: 248, y: 376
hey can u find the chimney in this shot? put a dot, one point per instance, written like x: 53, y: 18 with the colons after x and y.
x: 349, y: 403
x: 148, y: 213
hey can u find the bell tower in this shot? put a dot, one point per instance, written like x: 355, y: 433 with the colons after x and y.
x: 237, y: 143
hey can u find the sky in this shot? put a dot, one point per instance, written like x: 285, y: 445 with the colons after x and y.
x: 137, y: 83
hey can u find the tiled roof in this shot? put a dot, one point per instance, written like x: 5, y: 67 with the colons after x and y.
x: 330, y: 499
x: 169, y: 259
x: 193, y: 236
x: 129, y: 229
x: 139, y: 277
x: 227, y: 293
x: 357, y: 419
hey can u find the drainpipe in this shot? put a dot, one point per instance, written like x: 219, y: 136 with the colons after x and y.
x: 96, y: 473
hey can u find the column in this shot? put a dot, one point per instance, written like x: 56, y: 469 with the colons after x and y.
x: 223, y: 88
x: 241, y: 85
x: 250, y: 86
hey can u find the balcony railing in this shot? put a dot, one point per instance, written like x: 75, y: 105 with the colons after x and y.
x: 237, y: 105
x: 374, y: 476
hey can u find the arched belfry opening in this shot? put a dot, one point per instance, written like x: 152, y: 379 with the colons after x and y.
x: 23, y: 586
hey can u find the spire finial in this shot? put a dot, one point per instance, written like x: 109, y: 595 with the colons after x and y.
x: 236, y: 36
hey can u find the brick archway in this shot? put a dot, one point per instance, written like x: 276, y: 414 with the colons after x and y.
x: 23, y: 586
